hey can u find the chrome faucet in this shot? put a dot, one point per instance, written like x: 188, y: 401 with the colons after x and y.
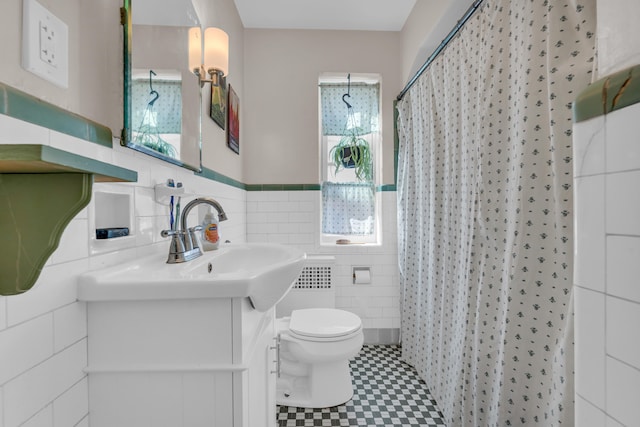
x: 184, y: 242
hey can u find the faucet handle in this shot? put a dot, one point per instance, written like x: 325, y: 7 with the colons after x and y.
x: 177, y: 246
x: 169, y: 233
x: 191, y: 240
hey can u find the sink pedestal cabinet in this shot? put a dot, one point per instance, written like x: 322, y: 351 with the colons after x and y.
x: 184, y: 362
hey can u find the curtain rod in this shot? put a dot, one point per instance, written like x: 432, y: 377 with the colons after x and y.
x: 441, y: 46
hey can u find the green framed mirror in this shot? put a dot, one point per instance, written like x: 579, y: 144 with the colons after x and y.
x: 162, y: 98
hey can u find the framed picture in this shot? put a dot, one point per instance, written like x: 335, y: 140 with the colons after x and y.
x: 233, y: 125
x: 218, y: 110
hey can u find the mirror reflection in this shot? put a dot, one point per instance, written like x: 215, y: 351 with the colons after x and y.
x: 156, y: 98
x: 163, y: 96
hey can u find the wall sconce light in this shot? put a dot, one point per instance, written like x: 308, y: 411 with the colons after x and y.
x: 216, y: 55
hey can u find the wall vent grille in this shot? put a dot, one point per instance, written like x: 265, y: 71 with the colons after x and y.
x: 315, y: 277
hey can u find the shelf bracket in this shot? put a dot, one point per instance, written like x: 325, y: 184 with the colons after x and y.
x: 34, y: 211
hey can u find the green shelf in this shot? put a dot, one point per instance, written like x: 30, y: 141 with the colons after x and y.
x: 41, y: 190
x: 34, y: 158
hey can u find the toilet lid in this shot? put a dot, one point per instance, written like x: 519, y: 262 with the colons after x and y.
x: 323, y: 322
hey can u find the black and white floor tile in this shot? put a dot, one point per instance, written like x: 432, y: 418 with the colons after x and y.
x: 387, y: 392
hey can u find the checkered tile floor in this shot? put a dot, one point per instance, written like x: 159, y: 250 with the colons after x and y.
x: 387, y: 392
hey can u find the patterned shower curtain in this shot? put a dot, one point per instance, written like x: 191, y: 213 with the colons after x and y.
x: 485, y: 214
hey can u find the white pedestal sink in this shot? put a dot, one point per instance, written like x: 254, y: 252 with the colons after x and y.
x: 261, y: 271
x: 192, y: 344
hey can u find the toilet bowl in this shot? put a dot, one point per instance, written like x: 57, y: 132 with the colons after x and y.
x: 315, y: 347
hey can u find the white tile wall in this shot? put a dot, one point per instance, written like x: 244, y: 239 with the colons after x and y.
x: 588, y: 415
x: 72, y: 406
x: 588, y: 157
x: 623, y: 393
x: 3, y: 313
x: 24, y: 346
x: 43, y: 332
x: 43, y: 418
x: 613, y: 423
x: 590, y: 345
x: 607, y: 297
x: 16, y: 131
x: 53, y: 289
x: 623, y: 203
x: 293, y: 217
x: 623, y: 343
x: 623, y: 268
x: 589, y: 232
x: 622, y: 148
x: 69, y: 325
x: 39, y: 386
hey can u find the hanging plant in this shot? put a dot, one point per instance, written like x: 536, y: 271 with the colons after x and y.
x: 147, y: 133
x: 148, y: 137
x: 353, y: 152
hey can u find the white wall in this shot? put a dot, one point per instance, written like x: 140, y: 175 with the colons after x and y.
x: 43, y: 332
x: 95, y: 75
x: 282, y: 68
x: 427, y: 25
x: 618, y: 35
x: 215, y: 154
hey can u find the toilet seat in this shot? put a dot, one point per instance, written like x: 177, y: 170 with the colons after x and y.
x: 324, y: 324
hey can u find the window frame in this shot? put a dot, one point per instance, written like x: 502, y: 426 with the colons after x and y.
x: 327, y: 167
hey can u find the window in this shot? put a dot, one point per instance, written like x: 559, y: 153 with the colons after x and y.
x: 349, y: 140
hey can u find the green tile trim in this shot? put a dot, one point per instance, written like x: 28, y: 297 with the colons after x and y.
x: 39, y: 159
x: 23, y: 106
x: 34, y: 211
x: 303, y: 187
x: 608, y: 94
x: 218, y: 177
x: 283, y: 187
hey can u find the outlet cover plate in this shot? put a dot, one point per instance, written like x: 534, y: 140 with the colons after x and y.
x: 45, y: 44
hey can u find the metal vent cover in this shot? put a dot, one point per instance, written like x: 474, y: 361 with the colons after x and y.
x: 315, y: 277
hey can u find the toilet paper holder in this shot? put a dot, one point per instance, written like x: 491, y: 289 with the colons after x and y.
x: 361, y: 275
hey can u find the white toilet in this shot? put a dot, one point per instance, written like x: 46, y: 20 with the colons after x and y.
x: 315, y: 347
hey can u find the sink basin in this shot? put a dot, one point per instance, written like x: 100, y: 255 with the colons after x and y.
x: 261, y: 271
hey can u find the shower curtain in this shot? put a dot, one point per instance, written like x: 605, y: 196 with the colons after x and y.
x: 485, y: 213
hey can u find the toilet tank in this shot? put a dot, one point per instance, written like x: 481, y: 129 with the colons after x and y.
x: 314, y: 288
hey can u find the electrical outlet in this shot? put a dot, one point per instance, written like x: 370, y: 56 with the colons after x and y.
x: 45, y: 44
